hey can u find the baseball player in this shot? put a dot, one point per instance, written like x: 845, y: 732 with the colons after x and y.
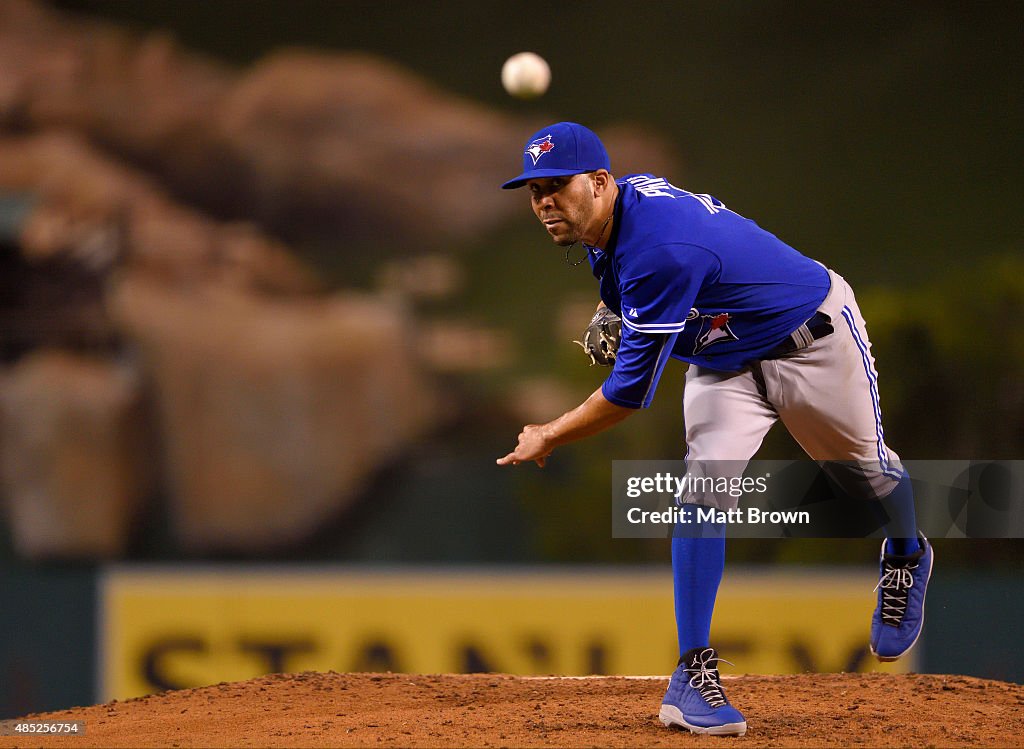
x: 768, y: 333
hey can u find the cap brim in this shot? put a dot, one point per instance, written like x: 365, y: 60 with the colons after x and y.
x: 525, y: 177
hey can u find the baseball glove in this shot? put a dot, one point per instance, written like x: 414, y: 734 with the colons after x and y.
x: 601, y: 338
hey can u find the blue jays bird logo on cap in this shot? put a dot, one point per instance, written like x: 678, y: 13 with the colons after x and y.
x: 573, y: 149
x: 539, y: 147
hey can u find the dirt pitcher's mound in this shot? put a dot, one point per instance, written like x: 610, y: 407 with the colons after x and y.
x: 398, y: 710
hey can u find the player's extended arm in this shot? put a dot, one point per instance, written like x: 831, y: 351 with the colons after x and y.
x: 594, y: 415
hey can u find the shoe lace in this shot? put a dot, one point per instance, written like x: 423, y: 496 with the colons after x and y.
x: 707, y: 680
x: 896, y: 582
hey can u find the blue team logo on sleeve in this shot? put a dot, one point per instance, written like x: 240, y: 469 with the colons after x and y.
x: 539, y: 147
x: 713, y: 329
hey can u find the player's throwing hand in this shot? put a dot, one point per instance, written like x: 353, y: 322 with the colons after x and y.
x: 533, y: 445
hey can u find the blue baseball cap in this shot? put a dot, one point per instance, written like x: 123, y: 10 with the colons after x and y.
x: 559, y: 150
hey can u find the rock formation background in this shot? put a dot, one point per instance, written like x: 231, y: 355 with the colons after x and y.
x: 166, y: 337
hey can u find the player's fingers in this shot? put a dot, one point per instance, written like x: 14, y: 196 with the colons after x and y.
x: 541, y: 461
x: 509, y: 459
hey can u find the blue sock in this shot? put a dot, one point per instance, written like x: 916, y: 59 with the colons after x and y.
x: 900, y: 507
x: 697, y: 566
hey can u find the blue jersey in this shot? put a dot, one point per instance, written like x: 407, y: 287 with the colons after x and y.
x: 695, y: 281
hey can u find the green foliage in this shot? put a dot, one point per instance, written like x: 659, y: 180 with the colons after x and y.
x: 951, y: 357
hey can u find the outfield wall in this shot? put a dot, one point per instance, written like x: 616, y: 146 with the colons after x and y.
x: 174, y: 629
x: 74, y: 637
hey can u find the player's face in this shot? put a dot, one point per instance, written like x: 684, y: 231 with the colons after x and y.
x: 565, y: 205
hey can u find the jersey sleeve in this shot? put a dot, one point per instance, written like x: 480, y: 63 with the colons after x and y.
x: 659, y: 286
x: 640, y: 360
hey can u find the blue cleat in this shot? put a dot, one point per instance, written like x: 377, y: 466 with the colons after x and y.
x: 695, y: 700
x: 899, y: 615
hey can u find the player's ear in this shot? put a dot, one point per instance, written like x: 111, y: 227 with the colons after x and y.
x: 599, y: 181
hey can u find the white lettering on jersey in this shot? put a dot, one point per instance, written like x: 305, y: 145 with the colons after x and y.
x: 632, y: 312
x: 659, y: 187
x: 654, y: 187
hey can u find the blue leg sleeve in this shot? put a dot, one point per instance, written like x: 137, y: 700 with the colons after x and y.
x: 900, y: 507
x: 697, y: 566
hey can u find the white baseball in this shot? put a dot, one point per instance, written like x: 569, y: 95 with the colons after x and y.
x: 526, y: 75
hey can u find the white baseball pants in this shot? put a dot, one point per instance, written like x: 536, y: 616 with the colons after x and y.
x: 826, y: 394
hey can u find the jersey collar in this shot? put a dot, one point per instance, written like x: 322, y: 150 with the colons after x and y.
x: 613, y: 238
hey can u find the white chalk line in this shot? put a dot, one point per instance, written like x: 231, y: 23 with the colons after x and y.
x: 607, y: 676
